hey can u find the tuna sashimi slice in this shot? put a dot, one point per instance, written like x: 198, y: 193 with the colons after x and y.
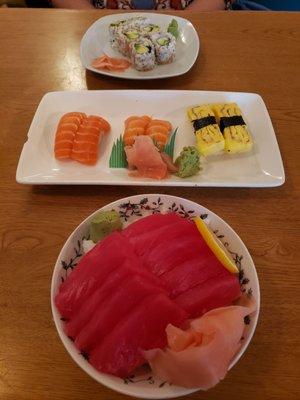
x: 193, y: 271
x: 105, y: 292
x: 113, y: 310
x: 144, y: 328
x: 92, y: 270
x: 149, y: 223
x: 164, y: 257
x: 149, y: 240
x: 200, y: 357
x: 216, y: 292
x: 116, y: 278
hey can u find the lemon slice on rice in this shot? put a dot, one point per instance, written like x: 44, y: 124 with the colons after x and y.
x: 215, y: 247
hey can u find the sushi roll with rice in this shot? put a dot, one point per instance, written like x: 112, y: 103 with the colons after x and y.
x: 126, y: 24
x: 142, y: 54
x: 138, y: 22
x: 124, y: 38
x: 165, y: 47
x: 115, y: 27
x: 150, y: 29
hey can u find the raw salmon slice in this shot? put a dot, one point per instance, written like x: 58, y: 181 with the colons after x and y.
x: 65, y: 134
x: 137, y: 123
x: 145, y: 118
x: 160, y: 139
x: 134, y: 126
x: 63, y: 153
x: 87, y: 140
x: 159, y: 131
x: 155, y: 129
x: 74, y: 135
x: 167, y: 124
x: 75, y: 114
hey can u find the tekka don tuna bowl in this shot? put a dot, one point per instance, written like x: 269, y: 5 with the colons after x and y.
x: 155, y: 296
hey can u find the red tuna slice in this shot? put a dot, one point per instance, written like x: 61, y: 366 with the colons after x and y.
x: 167, y: 255
x: 148, y: 241
x: 193, y: 271
x: 144, y: 328
x: 91, y: 272
x: 105, y: 292
x: 109, y: 313
x: 216, y: 292
x: 150, y: 223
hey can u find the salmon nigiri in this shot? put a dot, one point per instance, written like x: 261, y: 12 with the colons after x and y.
x: 87, y: 139
x: 135, y: 126
x: 159, y: 131
x: 65, y: 134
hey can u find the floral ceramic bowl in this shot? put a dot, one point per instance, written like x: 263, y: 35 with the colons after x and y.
x: 143, y: 383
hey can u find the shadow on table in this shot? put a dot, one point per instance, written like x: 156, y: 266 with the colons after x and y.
x: 192, y: 193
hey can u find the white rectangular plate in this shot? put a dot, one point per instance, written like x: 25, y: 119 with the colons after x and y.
x: 96, y: 42
x: 262, y: 167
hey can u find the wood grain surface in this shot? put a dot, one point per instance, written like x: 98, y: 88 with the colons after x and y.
x: 252, y: 52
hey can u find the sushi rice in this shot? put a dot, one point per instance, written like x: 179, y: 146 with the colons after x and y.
x: 165, y: 47
x: 124, y: 38
x: 150, y: 29
x: 143, y: 42
x: 142, y: 54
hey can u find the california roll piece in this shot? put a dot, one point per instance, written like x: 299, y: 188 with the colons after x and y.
x: 115, y: 27
x: 209, y: 137
x: 150, y: 29
x: 165, y: 47
x: 124, y: 38
x: 142, y: 54
x: 232, y: 125
x: 138, y: 22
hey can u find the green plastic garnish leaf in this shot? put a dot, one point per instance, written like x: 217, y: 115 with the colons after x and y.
x: 169, y: 149
x: 173, y: 28
x: 118, y: 156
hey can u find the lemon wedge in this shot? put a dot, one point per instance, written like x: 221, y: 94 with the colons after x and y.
x: 215, y: 247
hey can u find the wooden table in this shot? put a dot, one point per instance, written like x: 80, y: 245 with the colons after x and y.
x: 256, y: 52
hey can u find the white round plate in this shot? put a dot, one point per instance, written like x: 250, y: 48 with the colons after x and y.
x: 95, y: 43
x: 144, y: 384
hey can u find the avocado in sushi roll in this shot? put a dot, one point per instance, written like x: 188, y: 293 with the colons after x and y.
x: 124, y: 38
x: 165, y: 47
x: 150, y: 30
x: 115, y: 27
x: 142, y: 54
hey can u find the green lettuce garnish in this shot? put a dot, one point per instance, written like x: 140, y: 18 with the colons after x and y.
x: 173, y: 28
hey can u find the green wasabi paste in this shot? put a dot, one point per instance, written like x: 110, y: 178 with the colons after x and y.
x: 188, y: 162
x: 103, y: 224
